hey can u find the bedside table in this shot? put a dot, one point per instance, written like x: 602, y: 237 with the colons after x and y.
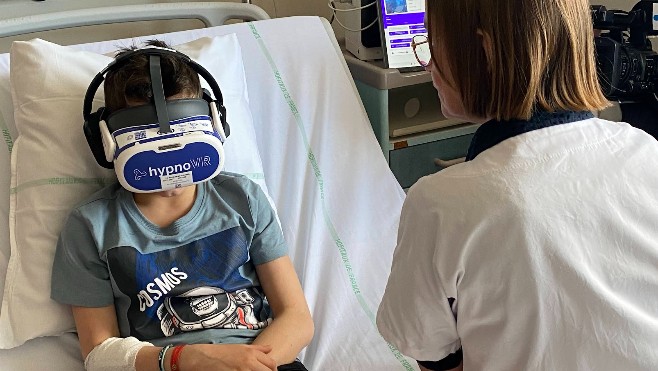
x: 405, y: 114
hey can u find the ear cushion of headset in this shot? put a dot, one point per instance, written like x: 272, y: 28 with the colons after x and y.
x: 109, y: 146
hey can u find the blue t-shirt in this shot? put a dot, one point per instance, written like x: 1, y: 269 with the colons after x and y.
x: 193, y: 281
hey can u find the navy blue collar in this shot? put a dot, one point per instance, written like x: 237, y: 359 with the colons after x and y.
x: 493, y: 132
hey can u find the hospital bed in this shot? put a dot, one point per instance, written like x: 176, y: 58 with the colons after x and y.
x: 303, y: 136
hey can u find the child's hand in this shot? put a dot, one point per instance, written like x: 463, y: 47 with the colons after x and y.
x: 227, y: 357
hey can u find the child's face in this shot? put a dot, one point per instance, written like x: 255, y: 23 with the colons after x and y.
x: 185, y: 195
x: 174, y: 192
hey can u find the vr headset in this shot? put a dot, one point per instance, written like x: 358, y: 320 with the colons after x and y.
x: 164, y: 144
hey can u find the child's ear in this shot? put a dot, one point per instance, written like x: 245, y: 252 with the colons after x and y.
x: 487, y: 45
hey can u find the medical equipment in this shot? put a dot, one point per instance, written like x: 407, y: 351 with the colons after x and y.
x: 362, y: 36
x: 400, y: 21
x: 301, y: 148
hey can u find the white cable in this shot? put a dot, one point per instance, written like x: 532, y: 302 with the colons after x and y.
x: 334, y: 10
x: 350, y: 9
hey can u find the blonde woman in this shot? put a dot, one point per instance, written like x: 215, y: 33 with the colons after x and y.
x: 541, y: 251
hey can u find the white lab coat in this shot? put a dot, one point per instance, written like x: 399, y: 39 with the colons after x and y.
x: 547, y: 241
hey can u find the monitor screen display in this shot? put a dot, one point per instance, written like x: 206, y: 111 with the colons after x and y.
x: 400, y: 21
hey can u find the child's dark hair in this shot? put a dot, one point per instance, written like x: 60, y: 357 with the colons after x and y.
x: 132, y: 81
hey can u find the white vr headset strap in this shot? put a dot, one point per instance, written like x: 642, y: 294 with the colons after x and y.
x: 115, y: 354
x: 216, y: 122
x: 109, y: 145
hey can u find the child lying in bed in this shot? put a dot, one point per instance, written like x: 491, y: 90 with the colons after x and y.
x: 203, y: 264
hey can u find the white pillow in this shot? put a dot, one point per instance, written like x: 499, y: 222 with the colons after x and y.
x: 53, y: 169
x: 7, y: 133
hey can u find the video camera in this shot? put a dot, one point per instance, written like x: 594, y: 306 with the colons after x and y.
x: 627, y: 64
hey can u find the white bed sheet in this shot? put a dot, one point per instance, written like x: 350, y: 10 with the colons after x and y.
x: 337, y: 200
x: 46, y: 353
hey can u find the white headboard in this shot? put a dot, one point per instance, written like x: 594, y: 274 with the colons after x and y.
x: 209, y: 13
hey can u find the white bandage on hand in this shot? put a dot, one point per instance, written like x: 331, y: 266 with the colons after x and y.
x: 114, y: 354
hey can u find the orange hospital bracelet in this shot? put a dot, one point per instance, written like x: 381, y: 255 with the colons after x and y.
x: 174, y: 357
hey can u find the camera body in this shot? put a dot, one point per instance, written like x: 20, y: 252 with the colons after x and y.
x: 627, y: 64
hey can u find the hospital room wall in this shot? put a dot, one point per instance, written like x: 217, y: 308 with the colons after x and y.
x: 19, y: 8
x: 615, y: 4
x: 275, y: 8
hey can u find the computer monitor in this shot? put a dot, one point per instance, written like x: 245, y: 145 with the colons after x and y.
x: 400, y: 21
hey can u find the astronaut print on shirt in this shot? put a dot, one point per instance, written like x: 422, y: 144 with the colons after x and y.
x: 209, y: 307
x: 199, y: 285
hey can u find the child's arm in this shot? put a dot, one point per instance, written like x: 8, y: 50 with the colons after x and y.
x: 292, y: 328
x: 95, y: 325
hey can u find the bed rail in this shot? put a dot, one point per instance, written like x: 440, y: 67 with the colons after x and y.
x: 210, y: 13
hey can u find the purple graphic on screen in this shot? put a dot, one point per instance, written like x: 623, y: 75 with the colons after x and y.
x: 401, y: 20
